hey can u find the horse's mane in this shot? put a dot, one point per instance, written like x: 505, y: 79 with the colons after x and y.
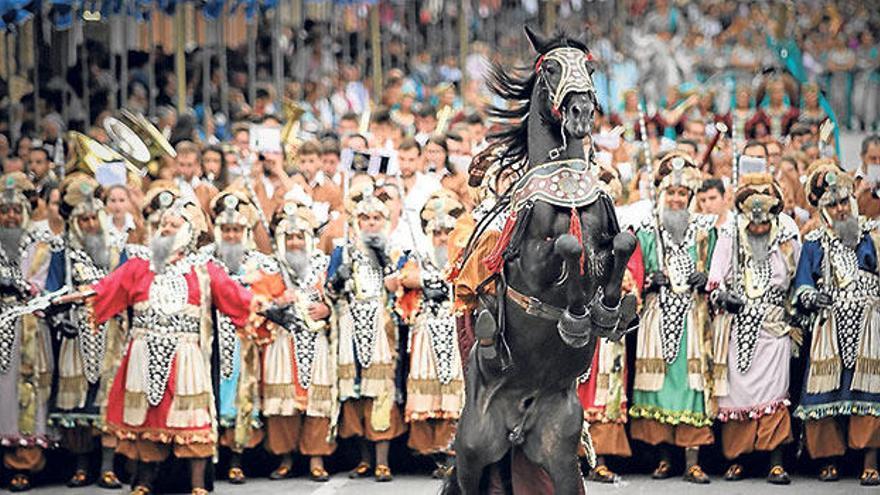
x: 515, y: 87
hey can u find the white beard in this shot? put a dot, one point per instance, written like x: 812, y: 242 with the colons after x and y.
x: 231, y: 255
x: 760, y: 245
x: 848, y: 231
x: 162, y: 247
x: 298, y: 261
x: 441, y: 256
x: 95, y: 245
x: 9, y: 239
x: 676, y: 223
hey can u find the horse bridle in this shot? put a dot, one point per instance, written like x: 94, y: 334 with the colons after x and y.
x: 575, y: 78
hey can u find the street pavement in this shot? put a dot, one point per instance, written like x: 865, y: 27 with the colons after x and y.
x: 418, y: 485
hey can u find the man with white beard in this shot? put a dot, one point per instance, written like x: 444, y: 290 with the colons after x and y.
x: 162, y: 400
x: 668, y: 404
x: 360, y: 280
x: 299, y: 348
x: 836, y: 288
x: 434, y: 382
x: 85, y: 360
x: 234, y: 218
x: 750, y: 281
x: 25, y: 366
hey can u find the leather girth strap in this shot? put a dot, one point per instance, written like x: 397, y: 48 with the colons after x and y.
x: 534, y: 306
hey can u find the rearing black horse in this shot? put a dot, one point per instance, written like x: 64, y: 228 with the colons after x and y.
x: 559, y: 266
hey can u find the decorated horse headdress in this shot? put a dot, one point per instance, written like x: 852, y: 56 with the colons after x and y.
x: 563, y: 67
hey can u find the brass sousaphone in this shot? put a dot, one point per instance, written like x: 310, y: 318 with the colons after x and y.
x: 138, y: 140
x: 91, y: 157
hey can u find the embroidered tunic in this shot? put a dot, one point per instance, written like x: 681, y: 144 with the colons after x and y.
x: 84, y: 366
x: 843, y: 371
x: 299, y: 372
x: 367, y: 334
x: 162, y: 391
x: 753, y: 348
x: 670, y: 364
x: 25, y: 366
x: 435, y: 383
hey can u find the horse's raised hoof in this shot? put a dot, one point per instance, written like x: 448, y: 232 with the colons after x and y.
x: 575, y: 330
x: 605, y: 320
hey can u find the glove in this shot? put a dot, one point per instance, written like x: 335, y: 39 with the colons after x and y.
x: 283, y: 315
x: 342, y: 274
x: 656, y: 280
x: 814, y: 300
x: 57, y: 310
x: 64, y: 324
x: 437, y: 294
x: 728, y: 301
x: 8, y: 287
x: 698, y: 280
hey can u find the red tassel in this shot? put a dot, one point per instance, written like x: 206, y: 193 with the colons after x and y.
x: 574, y: 228
x: 495, y: 260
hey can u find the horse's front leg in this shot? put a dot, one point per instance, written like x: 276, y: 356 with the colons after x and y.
x: 605, y: 311
x: 553, y: 441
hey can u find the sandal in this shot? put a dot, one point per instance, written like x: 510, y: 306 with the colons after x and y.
x: 20, y: 483
x: 829, y: 473
x: 109, y: 481
x: 869, y: 477
x: 319, y: 474
x: 383, y: 473
x: 199, y: 491
x: 441, y: 472
x: 734, y: 473
x: 778, y: 476
x: 140, y: 490
x: 281, y: 473
x: 362, y: 470
x: 695, y: 474
x: 235, y: 475
x: 80, y: 478
x: 663, y: 471
x: 602, y: 474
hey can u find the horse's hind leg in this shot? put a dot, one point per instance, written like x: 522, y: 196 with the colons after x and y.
x: 553, y: 441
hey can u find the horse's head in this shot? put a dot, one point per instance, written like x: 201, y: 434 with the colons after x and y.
x: 564, y: 83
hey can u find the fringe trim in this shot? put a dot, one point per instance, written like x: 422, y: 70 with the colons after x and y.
x: 600, y: 416
x: 843, y: 408
x: 868, y: 365
x: 824, y: 376
x: 651, y: 365
x: 72, y: 392
x: 346, y: 372
x: 753, y: 412
x: 434, y: 387
x: 279, y: 391
x: 185, y: 402
x: 697, y: 420
x: 43, y: 441
x: 378, y: 371
x: 164, y: 435
x: 75, y: 421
